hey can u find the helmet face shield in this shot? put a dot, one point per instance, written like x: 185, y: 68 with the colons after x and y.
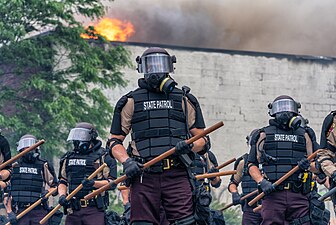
x: 25, y: 143
x: 284, y: 105
x: 79, y: 134
x: 156, y: 63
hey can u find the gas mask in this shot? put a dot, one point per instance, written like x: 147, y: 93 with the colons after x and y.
x: 285, y: 110
x: 81, y: 146
x: 156, y: 64
x: 30, y: 157
x: 288, y: 120
x: 82, y: 136
x: 160, y: 81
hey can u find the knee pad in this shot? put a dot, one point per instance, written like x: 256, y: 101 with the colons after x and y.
x: 142, y: 223
x: 190, y: 220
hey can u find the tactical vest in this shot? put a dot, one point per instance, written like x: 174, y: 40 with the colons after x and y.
x: 27, y: 182
x: 158, y: 122
x: 79, y: 167
x: 198, y: 165
x: 282, y: 151
x: 247, y: 183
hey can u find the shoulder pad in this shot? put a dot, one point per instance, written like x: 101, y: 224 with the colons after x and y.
x: 256, y: 135
x: 238, y: 161
x: 212, y: 158
x: 121, y: 103
x: 192, y: 99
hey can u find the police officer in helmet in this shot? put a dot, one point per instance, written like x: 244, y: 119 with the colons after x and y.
x: 279, y: 147
x: 159, y: 116
x: 30, y: 180
x: 248, y: 185
x: 75, y: 166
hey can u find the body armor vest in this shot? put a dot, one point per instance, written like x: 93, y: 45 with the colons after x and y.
x: 282, y: 150
x: 247, y: 183
x: 158, y: 122
x: 27, y: 182
x: 79, y: 167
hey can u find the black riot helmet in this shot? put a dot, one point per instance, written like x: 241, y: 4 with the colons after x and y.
x: 82, y: 136
x: 156, y: 64
x: 26, y: 141
x: 285, y: 110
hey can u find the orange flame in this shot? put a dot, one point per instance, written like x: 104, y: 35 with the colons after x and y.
x: 111, y: 29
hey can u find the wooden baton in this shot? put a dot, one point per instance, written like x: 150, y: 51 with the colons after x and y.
x: 16, y: 157
x: 155, y: 160
x: 225, y: 163
x: 282, y: 179
x: 218, y: 174
x: 37, y: 203
x: 257, y: 209
x: 241, y: 199
x: 78, y: 188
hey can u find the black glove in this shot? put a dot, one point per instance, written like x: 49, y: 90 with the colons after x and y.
x: 88, y: 183
x: 182, y: 148
x: 235, y: 198
x: 304, y: 164
x: 266, y: 186
x: 62, y: 201
x: 113, y: 186
x: 12, y: 218
x: 132, y: 168
x: 213, y: 170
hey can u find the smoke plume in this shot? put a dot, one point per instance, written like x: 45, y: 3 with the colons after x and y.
x: 283, y: 26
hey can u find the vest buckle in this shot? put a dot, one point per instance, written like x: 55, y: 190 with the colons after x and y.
x: 167, y: 164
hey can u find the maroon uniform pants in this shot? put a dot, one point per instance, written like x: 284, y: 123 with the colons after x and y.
x: 85, y: 216
x: 33, y: 217
x: 249, y: 217
x: 281, y: 207
x: 171, y: 189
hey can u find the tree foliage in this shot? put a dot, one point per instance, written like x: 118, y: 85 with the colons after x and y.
x: 51, y: 78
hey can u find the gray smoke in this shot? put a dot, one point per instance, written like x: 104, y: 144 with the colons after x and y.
x: 282, y: 26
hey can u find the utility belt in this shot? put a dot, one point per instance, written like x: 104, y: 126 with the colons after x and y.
x: 23, y: 205
x: 77, y: 204
x: 165, y: 164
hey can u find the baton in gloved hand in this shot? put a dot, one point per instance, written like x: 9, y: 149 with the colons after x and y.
x: 155, y: 160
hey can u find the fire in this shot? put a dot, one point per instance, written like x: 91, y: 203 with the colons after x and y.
x: 111, y: 29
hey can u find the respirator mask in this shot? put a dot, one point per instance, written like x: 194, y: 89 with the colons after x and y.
x: 285, y: 110
x: 156, y: 68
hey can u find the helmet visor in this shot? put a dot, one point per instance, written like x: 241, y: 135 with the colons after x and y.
x: 79, y: 134
x: 284, y: 105
x: 156, y: 63
x: 25, y: 143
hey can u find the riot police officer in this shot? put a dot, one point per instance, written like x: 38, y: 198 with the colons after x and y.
x: 248, y: 185
x: 160, y: 117
x: 30, y: 180
x: 279, y: 147
x: 75, y: 167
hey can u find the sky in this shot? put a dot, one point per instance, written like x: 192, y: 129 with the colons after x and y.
x: 301, y: 27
